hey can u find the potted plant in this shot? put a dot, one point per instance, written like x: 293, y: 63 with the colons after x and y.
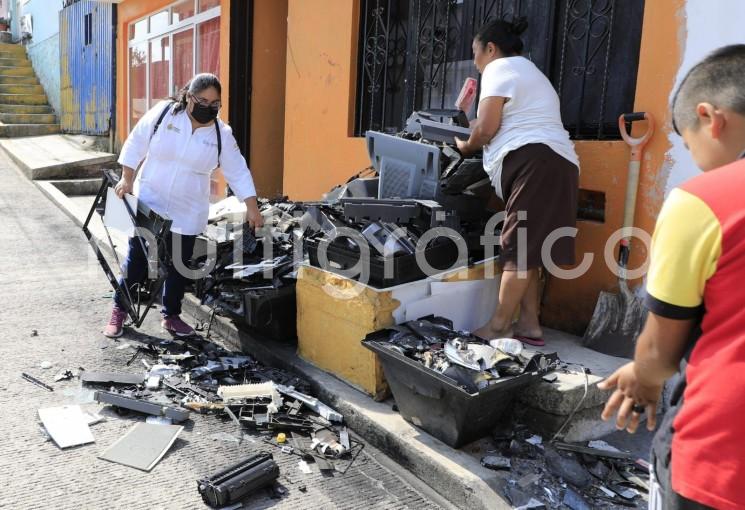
x: 4, y: 24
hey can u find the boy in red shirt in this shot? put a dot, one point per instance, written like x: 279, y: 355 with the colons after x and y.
x: 697, y: 279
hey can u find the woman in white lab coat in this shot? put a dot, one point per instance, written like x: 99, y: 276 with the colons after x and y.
x: 179, y: 143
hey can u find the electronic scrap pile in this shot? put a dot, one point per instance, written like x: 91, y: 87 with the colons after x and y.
x: 192, y: 375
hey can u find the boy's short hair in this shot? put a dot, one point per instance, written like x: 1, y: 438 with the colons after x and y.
x: 719, y: 79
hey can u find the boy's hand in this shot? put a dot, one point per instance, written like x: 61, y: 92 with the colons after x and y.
x: 630, y: 393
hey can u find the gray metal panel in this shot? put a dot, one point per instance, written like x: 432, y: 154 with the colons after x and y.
x: 407, y: 169
x: 87, y: 74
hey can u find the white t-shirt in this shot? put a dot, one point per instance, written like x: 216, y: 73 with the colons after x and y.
x: 175, y: 178
x: 531, y: 115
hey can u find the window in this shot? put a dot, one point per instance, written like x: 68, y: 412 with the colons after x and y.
x: 88, y: 28
x: 138, y: 30
x: 415, y: 54
x: 137, y: 82
x: 208, y: 46
x: 160, y: 61
x: 205, y: 5
x: 167, y: 48
x: 183, y: 62
x: 182, y: 11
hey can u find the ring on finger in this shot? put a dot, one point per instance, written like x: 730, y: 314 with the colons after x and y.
x: 638, y: 409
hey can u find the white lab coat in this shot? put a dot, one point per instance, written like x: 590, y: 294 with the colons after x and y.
x: 174, y: 179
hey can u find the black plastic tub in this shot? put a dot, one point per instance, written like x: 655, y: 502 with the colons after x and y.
x: 436, y: 404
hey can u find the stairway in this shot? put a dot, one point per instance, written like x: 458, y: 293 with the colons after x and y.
x: 24, y: 108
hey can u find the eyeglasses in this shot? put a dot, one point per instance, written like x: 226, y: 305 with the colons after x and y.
x: 215, y: 105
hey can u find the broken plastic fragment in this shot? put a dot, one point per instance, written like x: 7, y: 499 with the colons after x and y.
x: 535, y: 440
x: 457, y: 353
x: 304, y: 467
x: 322, y: 409
x: 507, y: 345
x: 495, y: 462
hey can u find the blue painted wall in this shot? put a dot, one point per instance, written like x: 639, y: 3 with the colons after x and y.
x: 86, y: 68
x: 45, y: 15
x: 44, y: 48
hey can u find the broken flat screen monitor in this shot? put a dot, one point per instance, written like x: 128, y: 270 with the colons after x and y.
x: 407, y: 169
x: 138, y: 299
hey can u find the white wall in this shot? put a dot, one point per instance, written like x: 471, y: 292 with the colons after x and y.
x: 710, y: 24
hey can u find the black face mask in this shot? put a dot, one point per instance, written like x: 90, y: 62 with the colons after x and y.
x: 203, y: 114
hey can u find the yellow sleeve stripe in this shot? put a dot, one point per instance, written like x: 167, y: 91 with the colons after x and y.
x: 686, y: 246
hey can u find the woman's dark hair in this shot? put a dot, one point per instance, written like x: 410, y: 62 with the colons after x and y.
x: 196, y: 85
x: 504, y: 34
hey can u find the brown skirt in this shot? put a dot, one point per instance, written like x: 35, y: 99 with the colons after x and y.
x: 540, y: 190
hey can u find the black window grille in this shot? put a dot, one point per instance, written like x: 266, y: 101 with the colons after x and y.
x: 416, y: 54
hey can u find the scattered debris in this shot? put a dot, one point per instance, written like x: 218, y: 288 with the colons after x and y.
x: 46, y: 365
x: 304, y: 467
x: 66, y: 425
x: 567, y: 468
x: 37, y: 382
x: 66, y: 375
x: 316, y: 405
x: 143, y: 445
x: 495, y: 462
x: 613, y: 453
x: 535, y: 440
x: 109, y: 378
x: 34, y: 332
x: 528, y: 480
x: 237, y: 481
x: 158, y: 420
x: 550, y: 378
x: 532, y: 503
x: 574, y: 501
x: 141, y: 406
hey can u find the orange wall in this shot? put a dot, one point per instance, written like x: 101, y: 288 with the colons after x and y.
x: 268, y: 95
x: 320, y: 153
x: 321, y: 78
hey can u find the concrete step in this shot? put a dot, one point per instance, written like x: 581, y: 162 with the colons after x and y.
x: 77, y: 187
x: 27, y: 99
x: 14, y: 62
x: 16, y: 71
x: 15, y: 49
x: 19, y: 80
x: 56, y: 157
x: 25, y: 109
x: 28, y: 118
x: 21, y: 89
x: 21, y: 130
x: 11, y: 55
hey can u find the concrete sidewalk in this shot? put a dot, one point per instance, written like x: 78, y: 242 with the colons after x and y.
x: 57, y: 156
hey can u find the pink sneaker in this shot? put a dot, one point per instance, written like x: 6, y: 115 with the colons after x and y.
x: 115, y: 327
x: 174, y: 325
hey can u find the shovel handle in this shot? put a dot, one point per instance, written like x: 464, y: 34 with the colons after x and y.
x: 637, y: 149
x: 637, y: 144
